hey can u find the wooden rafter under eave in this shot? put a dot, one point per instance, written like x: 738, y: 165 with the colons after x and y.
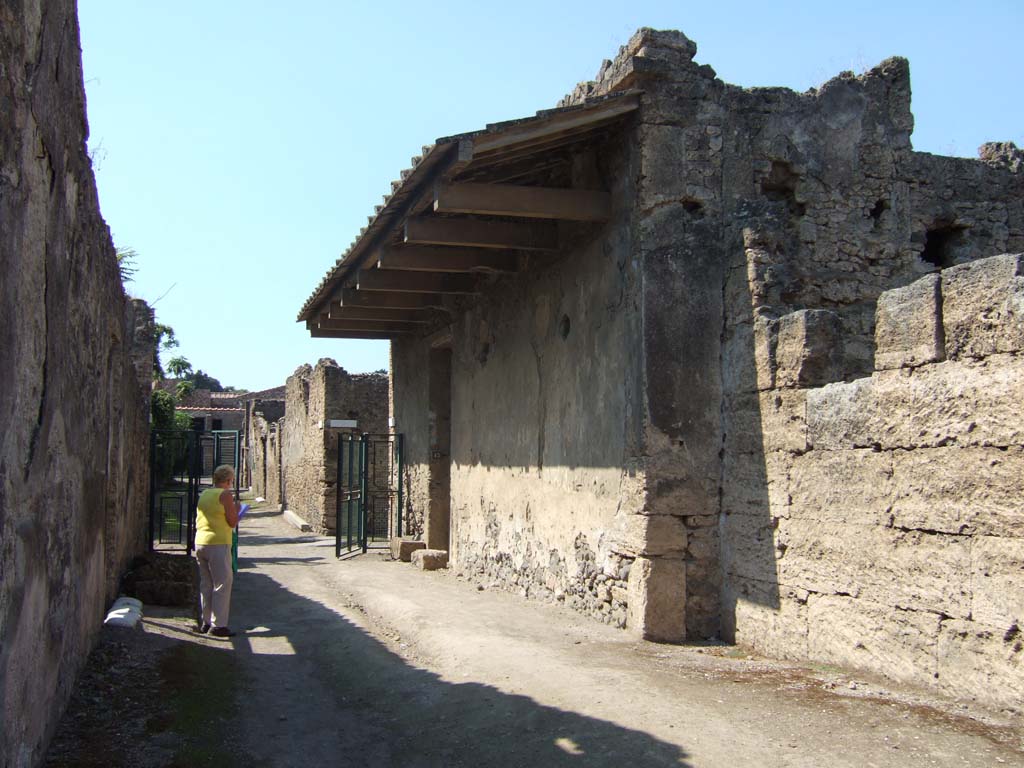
x: 439, y: 258
x: 350, y: 297
x: 415, y: 282
x: 531, y: 236
x: 384, y: 326
x: 378, y: 335
x: 338, y: 312
x: 525, y: 202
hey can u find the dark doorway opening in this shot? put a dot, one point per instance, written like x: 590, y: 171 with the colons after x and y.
x: 945, y: 245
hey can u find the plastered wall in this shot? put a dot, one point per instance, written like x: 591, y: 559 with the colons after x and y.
x: 76, y: 360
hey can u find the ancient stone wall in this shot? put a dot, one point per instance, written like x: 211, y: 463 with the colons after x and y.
x: 77, y: 358
x: 274, y: 476
x: 546, y: 469
x: 410, y: 413
x: 754, y: 204
x: 881, y: 525
x: 309, y: 446
x: 259, y: 416
x: 764, y: 227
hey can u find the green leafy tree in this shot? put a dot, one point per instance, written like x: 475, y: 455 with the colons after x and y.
x: 205, y: 381
x: 179, y: 367
x: 165, y: 340
x: 184, y: 389
x: 162, y: 408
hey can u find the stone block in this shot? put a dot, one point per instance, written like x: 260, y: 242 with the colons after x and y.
x: 657, y: 599
x: 908, y: 569
x: 953, y: 402
x: 767, y: 618
x: 750, y: 547
x: 960, y: 490
x: 997, y: 581
x: 764, y: 422
x: 430, y: 559
x: 873, y: 636
x: 402, y: 549
x: 662, y: 152
x: 294, y: 519
x: 748, y: 362
x: 844, y: 486
x: 983, y: 307
x: 978, y: 661
x: 650, y: 535
x: 754, y: 484
x: 908, y: 329
x: 809, y: 351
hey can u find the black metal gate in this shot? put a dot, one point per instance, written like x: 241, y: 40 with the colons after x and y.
x: 369, y: 500
x: 181, y: 466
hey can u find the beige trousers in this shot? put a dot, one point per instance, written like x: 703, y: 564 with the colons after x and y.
x: 215, y: 579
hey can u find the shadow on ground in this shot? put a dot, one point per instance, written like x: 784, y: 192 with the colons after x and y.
x: 403, y: 715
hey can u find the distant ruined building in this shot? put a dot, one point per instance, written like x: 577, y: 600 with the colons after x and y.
x: 292, y: 444
x: 706, y: 361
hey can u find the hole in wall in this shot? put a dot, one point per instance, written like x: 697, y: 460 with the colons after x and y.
x: 780, y: 185
x: 564, y: 327
x: 945, y: 245
x: 693, y: 207
x: 879, y: 208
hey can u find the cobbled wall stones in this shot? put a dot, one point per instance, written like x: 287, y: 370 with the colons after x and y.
x: 77, y: 360
x: 309, y: 448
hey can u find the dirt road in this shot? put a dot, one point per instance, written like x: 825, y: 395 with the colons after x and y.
x: 367, y: 662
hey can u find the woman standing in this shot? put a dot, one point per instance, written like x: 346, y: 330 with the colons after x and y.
x: 216, y: 516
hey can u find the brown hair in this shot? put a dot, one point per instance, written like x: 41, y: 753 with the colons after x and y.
x: 222, y: 473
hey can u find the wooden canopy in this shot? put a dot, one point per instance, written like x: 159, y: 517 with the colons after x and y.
x: 470, y: 208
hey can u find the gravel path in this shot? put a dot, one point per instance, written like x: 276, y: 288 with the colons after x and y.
x: 367, y: 662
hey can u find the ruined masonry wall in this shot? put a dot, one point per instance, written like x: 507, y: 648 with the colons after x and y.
x: 754, y: 204
x: 308, y: 449
x: 77, y: 358
x: 880, y: 526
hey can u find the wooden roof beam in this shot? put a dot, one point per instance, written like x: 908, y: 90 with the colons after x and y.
x: 524, y: 202
x: 439, y: 258
x: 378, y: 335
x: 546, y: 127
x: 339, y: 312
x: 350, y: 297
x: 530, y: 236
x: 415, y: 282
x: 374, y: 326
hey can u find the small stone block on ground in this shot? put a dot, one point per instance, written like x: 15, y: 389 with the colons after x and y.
x: 297, y: 521
x: 402, y: 549
x: 430, y: 559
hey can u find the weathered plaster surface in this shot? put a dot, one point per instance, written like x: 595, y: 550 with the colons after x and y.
x: 76, y: 358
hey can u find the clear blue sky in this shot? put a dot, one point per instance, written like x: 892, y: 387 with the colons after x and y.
x: 241, y: 145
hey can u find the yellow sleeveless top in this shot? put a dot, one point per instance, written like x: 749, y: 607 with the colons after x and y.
x: 211, y: 523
